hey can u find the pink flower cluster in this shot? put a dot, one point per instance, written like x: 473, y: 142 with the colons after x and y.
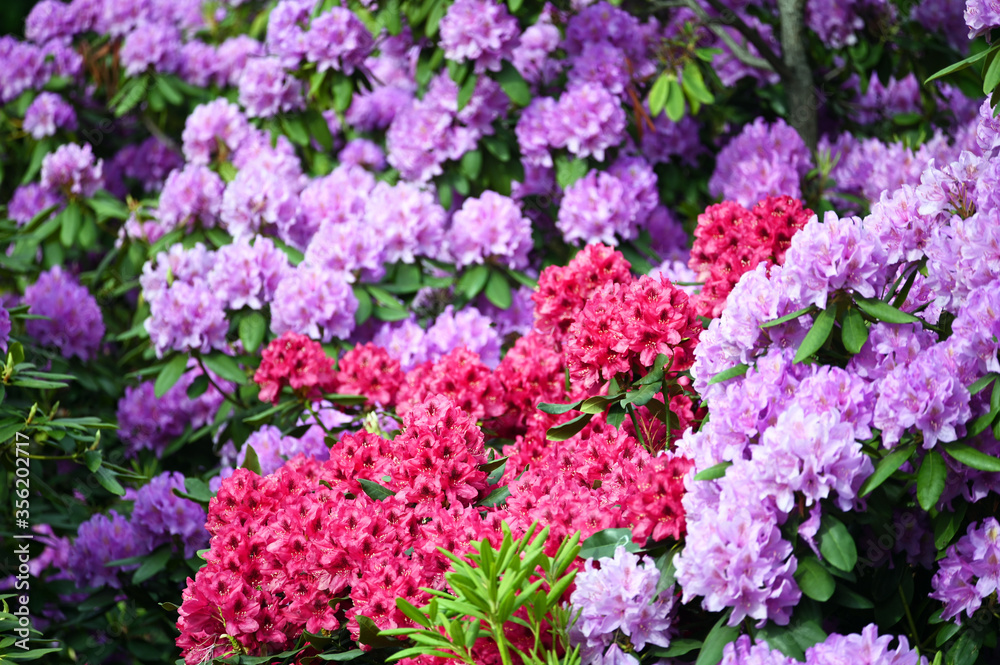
x: 731, y: 240
x: 297, y: 361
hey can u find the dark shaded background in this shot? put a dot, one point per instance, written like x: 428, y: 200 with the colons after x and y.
x: 12, y: 13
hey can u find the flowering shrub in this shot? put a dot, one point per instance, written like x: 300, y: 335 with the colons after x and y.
x: 501, y: 331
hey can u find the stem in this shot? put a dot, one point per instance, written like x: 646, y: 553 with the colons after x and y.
x: 909, y: 616
x: 501, y: 640
x: 225, y: 395
x: 315, y: 416
x: 635, y: 423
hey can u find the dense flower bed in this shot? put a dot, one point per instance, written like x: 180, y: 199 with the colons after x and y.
x: 505, y: 332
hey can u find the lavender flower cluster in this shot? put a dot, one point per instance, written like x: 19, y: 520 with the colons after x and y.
x: 620, y: 597
x: 792, y: 430
x: 158, y: 517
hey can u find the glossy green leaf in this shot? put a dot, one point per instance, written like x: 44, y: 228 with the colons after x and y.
x: 885, y: 468
x: 569, y: 428
x: 714, y: 472
x: 716, y: 641
x: 971, y: 457
x: 675, y: 101
x: 817, y: 335
x: 225, y: 367
x: 498, y: 290
x: 658, y: 94
x: 883, y: 311
x: 170, y: 374
x: 931, y: 479
x: 513, y: 84
x: 732, y: 372
x: 250, y: 460
x: 836, y: 544
x: 854, y: 331
x: 814, y: 580
x: 253, y: 327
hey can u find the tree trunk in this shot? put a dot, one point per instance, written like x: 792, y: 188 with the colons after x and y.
x: 800, y: 93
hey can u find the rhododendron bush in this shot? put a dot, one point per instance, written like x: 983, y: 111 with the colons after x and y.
x: 571, y: 332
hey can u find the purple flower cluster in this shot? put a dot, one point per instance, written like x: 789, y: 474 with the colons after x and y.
x: 273, y: 449
x: 432, y: 130
x: 490, y: 227
x: 970, y: 572
x: 48, y: 113
x: 606, y: 205
x: 191, y: 196
x: 837, y: 21
x: 480, y: 31
x: 150, y: 45
x: 313, y: 301
x: 72, y: 171
x: 159, y: 516
x: 101, y: 540
x: 763, y: 160
x: 4, y: 328
x: 149, y: 163
x: 335, y: 39
x: 215, y: 128
x: 885, y: 101
x: 74, y: 324
x: 586, y: 120
x: 267, y: 89
x: 620, y: 597
x: 407, y: 342
x: 148, y: 422
x: 29, y: 67
x: 185, y: 313
x: 29, y: 200
x: 981, y: 16
x: 865, y: 648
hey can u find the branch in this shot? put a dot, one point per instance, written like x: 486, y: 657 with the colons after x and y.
x: 752, y: 36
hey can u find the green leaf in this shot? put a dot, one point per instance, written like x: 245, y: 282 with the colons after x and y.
x: 642, y: 396
x: 678, y: 647
x: 675, y: 101
x: 225, y: 367
x: 496, y: 147
x: 152, y: 565
x: 931, y: 479
x: 498, y: 290
x: 854, y: 331
x: 852, y: 599
x: 569, y: 428
x: 38, y: 153
x: 513, y: 84
x: 473, y: 281
x: 694, y: 84
x: 472, y: 164
x: 658, y: 94
x: 374, y: 490
x: 109, y: 482
x: 788, y: 317
x: 836, y: 545
x: 598, y: 403
x: 817, y: 335
x: 716, y: 640
x: 319, y: 129
x: 251, y: 461
x: 885, y: 468
x: 295, y: 130
x: 343, y: 656
x: 91, y: 459
x: 604, y: 543
x: 465, y: 92
x: 69, y: 223
x: 569, y: 170
x: 962, y: 64
x: 496, y: 497
x: 814, y: 580
x: 971, y: 457
x: 343, y: 91
x: 981, y: 384
x: 253, y: 327
x: 947, y: 524
x: 556, y: 409
x: 169, y: 92
x: 730, y: 373
x: 364, y: 310
x: 413, y: 613
x: 170, y: 375
x: 883, y: 311
x: 714, y: 472
x: 197, y: 490
x: 434, y: 18
x: 802, y: 632
x: 992, y: 76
